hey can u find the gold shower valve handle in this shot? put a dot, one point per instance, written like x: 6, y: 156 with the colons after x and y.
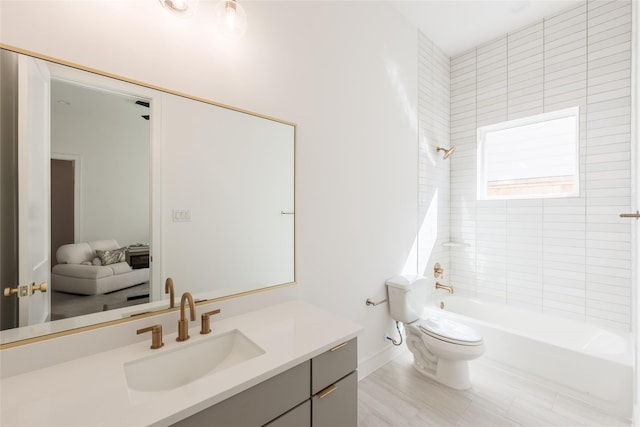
x: 438, y: 271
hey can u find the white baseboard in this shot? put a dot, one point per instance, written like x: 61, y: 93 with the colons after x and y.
x: 378, y: 360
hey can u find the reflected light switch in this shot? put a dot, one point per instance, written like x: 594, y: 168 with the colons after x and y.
x: 181, y: 215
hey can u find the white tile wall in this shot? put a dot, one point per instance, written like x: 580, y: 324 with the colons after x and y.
x: 570, y: 257
x: 433, y: 172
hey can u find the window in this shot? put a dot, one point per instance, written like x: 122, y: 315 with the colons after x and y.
x: 532, y: 157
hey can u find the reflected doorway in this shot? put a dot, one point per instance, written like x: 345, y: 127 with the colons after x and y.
x: 62, y: 204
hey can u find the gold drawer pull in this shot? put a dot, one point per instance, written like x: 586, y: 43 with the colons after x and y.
x: 339, y: 346
x: 327, y: 391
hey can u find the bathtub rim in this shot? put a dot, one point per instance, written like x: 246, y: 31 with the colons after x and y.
x: 432, y: 307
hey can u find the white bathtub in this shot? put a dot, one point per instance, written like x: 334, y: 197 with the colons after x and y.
x: 591, y: 363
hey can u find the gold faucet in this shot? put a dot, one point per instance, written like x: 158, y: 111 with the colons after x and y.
x: 183, y: 323
x: 168, y: 289
x: 446, y: 287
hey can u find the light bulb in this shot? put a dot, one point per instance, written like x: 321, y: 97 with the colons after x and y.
x: 230, y: 19
x: 180, y: 7
x: 231, y: 14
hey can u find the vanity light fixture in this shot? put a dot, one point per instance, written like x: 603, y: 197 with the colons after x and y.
x: 180, y: 7
x: 230, y: 18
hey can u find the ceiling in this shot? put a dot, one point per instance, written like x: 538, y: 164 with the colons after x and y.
x: 458, y: 25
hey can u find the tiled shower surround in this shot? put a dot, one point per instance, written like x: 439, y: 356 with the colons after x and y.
x: 569, y: 257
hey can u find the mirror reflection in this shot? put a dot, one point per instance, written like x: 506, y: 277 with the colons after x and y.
x: 122, y: 165
x: 100, y: 155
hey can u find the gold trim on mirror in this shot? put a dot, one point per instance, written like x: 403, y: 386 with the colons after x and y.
x: 139, y: 83
x: 135, y: 317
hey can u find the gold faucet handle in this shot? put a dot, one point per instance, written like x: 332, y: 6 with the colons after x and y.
x: 156, y: 335
x: 205, y: 327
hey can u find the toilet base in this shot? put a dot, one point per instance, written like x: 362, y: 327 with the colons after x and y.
x: 454, y: 374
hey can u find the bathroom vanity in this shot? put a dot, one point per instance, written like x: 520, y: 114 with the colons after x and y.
x: 290, y: 364
x: 321, y: 392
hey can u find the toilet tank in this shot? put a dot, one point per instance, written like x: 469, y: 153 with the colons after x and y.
x: 407, y: 297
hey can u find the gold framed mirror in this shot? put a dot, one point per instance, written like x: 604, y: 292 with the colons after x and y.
x: 220, y: 207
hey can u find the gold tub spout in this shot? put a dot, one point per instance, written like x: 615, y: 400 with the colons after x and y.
x: 183, y: 323
x: 446, y: 287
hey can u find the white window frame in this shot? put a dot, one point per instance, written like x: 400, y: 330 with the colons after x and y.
x: 545, y: 187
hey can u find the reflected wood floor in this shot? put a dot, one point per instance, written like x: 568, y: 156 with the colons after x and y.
x: 397, y: 395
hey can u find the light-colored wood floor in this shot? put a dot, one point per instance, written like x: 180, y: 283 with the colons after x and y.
x: 397, y: 395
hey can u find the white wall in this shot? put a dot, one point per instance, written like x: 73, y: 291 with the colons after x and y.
x: 433, y: 172
x: 570, y: 257
x: 345, y: 72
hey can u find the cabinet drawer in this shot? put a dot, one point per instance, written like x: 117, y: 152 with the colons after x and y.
x: 258, y: 405
x: 300, y: 416
x: 337, y: 405
x: 330, y: 366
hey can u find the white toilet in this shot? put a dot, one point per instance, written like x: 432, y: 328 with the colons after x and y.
x: 441, y: 348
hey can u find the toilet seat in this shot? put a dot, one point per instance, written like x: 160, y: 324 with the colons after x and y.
x: 449, y: 331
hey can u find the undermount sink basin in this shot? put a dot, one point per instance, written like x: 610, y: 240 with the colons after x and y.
x: 184, y: 364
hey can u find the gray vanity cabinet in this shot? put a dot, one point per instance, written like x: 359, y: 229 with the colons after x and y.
x: 334, y: 387
x: 321, y: 392
x: 339, y: 407
x: 300, y: 416
x: 258, y: 405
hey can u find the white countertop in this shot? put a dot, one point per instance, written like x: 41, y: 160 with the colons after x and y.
x: 93, y: 391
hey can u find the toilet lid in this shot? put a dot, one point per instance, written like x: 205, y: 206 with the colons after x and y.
x: 447, y: 330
